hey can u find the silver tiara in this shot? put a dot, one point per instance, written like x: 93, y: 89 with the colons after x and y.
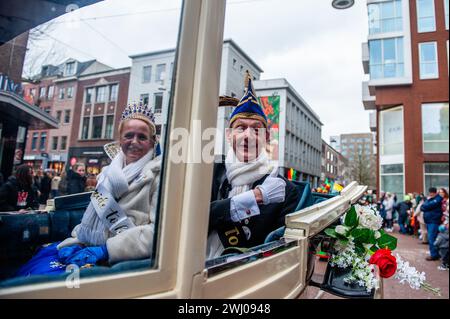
x: 138, y: 110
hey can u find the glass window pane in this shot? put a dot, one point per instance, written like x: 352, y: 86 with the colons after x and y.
x: 392, y: 132
x: 391, y: 169
x: 435, y: 127
x: 387, y: 10
x: 437, y: 181
x: 436, y: 175
x: 427, y: 52
x: 97, y: 123
x: 389, y: 50
x: 436, y: 168
x: 375, y: 51
x: 93, y: 62
x: 425, y: 16
x: 392, y: 184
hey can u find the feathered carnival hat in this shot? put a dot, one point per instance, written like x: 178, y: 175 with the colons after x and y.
x: 248, y: 107
x: 139, y: 111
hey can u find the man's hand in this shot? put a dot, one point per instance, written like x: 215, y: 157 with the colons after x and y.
x: 273, y: 189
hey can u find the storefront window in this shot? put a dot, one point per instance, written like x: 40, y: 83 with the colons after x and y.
x: 435, y: 127
x: 392, y: 179
x: 391, y: 137
x: 435, y: 175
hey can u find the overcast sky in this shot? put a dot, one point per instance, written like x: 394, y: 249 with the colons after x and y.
x: 314, y: 46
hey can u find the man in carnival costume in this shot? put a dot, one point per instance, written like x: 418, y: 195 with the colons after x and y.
x: 249, y: 198
x: 119, y: 222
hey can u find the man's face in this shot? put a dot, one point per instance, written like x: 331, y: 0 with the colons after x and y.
x: 135, y: 140
x: 248, y: 138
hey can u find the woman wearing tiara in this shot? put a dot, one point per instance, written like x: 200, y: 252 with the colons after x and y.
x: 119, y: 222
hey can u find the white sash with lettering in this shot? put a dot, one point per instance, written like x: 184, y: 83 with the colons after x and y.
x: 104, y: 213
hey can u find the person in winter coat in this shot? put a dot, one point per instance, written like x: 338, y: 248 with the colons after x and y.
x: 76, y: 179
x: 118, y: 224
x: 18, y: 193
x: 45, y: 188
x: 432, y: 213
x: 441, y: 244
x: 249, y: 198
x: 403, y: 209
x: 389, y: 206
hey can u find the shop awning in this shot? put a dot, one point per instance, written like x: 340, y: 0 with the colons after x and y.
x: 18, y: 16
x: 15, y: 107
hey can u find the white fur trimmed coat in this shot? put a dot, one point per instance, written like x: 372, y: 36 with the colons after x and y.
x: 139, y: 204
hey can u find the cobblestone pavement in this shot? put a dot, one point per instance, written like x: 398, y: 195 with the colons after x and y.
x: 410, y: 249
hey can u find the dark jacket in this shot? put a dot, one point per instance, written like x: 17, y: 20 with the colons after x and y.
x: 403, y: 208
x: 14, y: 197
x: 75, y: 183
x: 45, y: 188
x: 258, y: 227
x: 432, y: 211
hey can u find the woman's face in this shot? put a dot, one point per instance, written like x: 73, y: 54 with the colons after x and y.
x: 442, y: 193
x: 135, y: 140
x: 81, y: 170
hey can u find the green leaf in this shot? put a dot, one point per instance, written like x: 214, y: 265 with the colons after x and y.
x: 371, y: 239
x: 331, y: 232
x: 387, y: 241
x: 374, y: 248
x: 351, y: 218
x: 361, y: 235
x: 359, y: 249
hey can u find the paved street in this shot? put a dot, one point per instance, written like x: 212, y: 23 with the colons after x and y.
x: 410, y: 249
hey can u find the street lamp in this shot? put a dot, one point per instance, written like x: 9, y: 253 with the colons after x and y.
x: 342, y: 4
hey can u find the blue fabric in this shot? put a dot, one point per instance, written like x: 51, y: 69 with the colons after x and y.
x: 433, y: 230
x: 89, y: 255
x: 46, y: 261
x: 248, y: 104
x: 158, y: 150
x: 67, y: 252
x: 51, y: 261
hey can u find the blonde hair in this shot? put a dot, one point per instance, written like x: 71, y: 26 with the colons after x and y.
x: 78, y: 164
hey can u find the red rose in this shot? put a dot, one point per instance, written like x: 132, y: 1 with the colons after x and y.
x: 385, y: 261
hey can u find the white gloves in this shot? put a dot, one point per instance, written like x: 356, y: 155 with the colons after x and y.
x: 273, y: 189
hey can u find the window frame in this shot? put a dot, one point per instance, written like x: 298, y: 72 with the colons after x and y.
x: 63, y: 138
x: 144, y: 68
x: 382, y: 19
x: 427, y: 77
x: 425, y: 188
x: 383, y: 60
x: 419, y: 17
x: 422, y: 133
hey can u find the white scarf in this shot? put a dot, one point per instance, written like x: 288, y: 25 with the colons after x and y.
x: 113, y: 182
x: 242, y: 175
